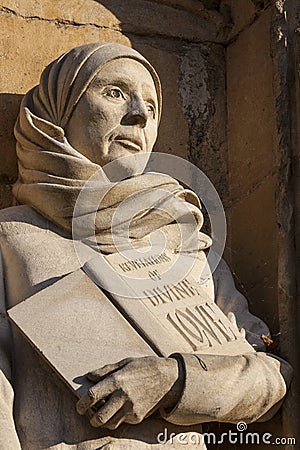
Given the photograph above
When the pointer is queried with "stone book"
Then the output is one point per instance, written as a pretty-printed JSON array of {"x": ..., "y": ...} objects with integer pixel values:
[
  {"x": 76, "y": 329},
  {"x": 77, "y": 326},
  {"x": 160, "y": 297}
]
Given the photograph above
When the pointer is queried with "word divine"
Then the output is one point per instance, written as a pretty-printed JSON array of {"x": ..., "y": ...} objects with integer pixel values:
[{"x": 167, "y": 294}]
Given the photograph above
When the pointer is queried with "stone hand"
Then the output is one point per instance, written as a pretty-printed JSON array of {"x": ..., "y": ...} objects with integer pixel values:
[{"x": 130, "y": 390}]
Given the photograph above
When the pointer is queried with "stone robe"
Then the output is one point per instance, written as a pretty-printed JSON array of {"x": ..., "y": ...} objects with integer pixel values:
[{"x": 38, "y": 412}]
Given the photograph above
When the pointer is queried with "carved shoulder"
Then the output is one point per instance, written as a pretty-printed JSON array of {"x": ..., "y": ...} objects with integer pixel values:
[
  {"x": 22, "y": 219},
  {"x": 35, "y": 252}
]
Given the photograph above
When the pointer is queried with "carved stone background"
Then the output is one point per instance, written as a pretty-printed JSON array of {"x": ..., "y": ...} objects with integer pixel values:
[{"x": 228, "y": 70}]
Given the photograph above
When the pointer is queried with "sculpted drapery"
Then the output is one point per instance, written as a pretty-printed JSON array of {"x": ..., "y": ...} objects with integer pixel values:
[
  {"x": 52, "y": 172},
  {"x": 37, "y": 250}
]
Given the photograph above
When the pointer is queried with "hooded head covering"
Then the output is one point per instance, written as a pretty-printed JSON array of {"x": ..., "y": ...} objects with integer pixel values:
[
  {"x": 65, "y": 80},
  {"x": 52, "y": 173}
]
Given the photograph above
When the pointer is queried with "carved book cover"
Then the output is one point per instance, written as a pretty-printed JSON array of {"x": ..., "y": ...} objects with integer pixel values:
[{"x": 76, "y": 327}]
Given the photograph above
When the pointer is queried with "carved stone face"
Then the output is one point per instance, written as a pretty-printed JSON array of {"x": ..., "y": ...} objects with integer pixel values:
[{"x": 117, "y": 116}]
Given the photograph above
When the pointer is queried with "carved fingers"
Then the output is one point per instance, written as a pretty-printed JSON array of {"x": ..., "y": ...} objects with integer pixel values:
[
  {"x": 97, "y": 374},
  {"x": 128, "y": 390},
  {"x": 232, "y": 318},
  {"x": 112, "y": 414}
]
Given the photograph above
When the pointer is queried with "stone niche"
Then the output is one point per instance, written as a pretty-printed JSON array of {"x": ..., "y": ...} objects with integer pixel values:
[{"x": 217, "y": 63}]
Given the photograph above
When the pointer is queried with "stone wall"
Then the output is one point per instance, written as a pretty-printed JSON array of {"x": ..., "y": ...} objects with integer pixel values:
[
  {"x": 263, "y": 154},
  {"x": 251, "y": 159},
  {"x": 184, "y": 45}
]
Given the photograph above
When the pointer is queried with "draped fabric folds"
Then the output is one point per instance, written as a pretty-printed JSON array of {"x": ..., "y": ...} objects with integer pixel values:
[{"x": 52, "y": 173}]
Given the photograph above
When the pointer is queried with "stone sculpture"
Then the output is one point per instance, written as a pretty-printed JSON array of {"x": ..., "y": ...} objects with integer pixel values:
[{"x": 96, "y": 104}]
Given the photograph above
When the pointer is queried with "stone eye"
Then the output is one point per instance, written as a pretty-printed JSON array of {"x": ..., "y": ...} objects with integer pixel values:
[
  {"x": 115, "y": 93},
  {"x": 151, "y": 110}
]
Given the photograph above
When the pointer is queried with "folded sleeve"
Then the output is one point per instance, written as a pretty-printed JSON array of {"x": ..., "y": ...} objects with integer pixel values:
[
  {"x": 8, "y": 436},
  {"x": 248, "y": 387},
  {"x": 229, "y": 388},
  {"x": 229, "y": 299}
]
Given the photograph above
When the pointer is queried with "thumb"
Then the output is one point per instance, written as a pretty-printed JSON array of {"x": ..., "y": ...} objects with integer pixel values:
[{"x": 98, "y": 374}]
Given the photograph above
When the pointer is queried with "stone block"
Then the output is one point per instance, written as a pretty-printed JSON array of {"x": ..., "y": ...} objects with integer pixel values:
[
  {"x": 253, "y": 237},
  {"x": 170, "y": 300},
  {"x": 203, "y": 97},
  {"x": 242, "y": 14},
  {"x": 81, "y": 330},
  {"x": 173, "y": 131},
  {"x": 36, "y": 43},
  {"x": 251, "y": 108},
  {"x": 138, "y": 16}
]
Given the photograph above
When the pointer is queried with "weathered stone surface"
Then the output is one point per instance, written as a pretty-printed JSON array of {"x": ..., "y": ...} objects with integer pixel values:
[
  {"x": 169, "y": 61},
  {"x": 87, "y": 21},
  {"x": 66, "y": 336},
  {"x": 251, "y": 108},
  {"x": 192, "y": 5},
  {"x": 23, "y": 66},
  {"x": 6, "y": 197},
  {"x": 285, "y": 52},
  {"x": 202, "y": 85},
  {"x": 253, "y": 230},
  {"x": 9, "y": 109},
  {"x": 173, "y": 132},
  {"x": 196, "y": 84},
  {"x": 242, "y": 15},
  {"x": 139, "y": 18}
]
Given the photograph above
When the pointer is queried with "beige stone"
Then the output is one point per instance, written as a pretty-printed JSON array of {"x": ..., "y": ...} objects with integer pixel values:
[
  {"x": 140, "y": 17},
  {"x": 66, "y": 337},
  {"x": 254, "y": 234},
  {"x": 173, "y": 132},
  {"x": 17, "y": 33},
  {"x": 251, "y": 109},
  {"x": 118, "y": 112},
  {"x": 173, "y": 310}
]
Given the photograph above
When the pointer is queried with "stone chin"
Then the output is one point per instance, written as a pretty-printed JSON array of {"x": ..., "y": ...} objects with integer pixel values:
[{"x": 126, "y": 166}]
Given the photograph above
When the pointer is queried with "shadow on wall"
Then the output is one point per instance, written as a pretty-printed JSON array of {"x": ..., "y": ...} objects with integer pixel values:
[
  {"x": 185, "y": 46},
  {"x": 9, "y": 109}
]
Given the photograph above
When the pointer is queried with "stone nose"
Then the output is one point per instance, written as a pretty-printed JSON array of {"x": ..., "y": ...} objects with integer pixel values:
[{"x": 137, "y": 113}]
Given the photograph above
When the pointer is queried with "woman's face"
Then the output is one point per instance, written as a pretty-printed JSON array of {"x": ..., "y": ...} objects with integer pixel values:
[{"x": 117, "y": 115}]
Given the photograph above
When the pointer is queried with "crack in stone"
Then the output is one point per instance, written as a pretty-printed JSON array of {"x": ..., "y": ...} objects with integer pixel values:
[
  {"x": 255, "y": 17},
  {"x": 122, "y": 28},
  {"x": 232, "y": 203},
  {"x": 58, "y": 22}
]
